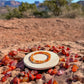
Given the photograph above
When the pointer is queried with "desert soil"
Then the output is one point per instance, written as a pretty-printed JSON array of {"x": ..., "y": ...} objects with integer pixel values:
[{"x": 22, "y": 33}]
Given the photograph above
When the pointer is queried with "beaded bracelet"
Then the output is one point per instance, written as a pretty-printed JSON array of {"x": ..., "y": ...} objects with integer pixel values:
[{"x": 40, "y": 61}]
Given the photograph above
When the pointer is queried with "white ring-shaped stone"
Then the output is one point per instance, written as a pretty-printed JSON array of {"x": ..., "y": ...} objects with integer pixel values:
[{"x": 46, "y": 65}]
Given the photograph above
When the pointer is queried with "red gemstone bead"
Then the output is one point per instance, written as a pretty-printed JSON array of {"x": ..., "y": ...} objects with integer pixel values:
[
  {"x": 54, "y": 72},
  {"x": 57, "y": 50},
  {"x": 54, "y": 51},
  {"x": 39, "y": 46},
  {"x": 62, "y": 46},
  {"x": 4, "y": 78},
  {"x": 13, "y": 53},
  {"x": 67, "y": 54},
  {"x": 63, "y": 51},
  {"x": 53, "y": 47},
  {"x": 38, "y": 76},
  {"x": 4, "y": 72},
  {"x": 16, "y": 80},
  {"x": 67, "y": 65},
  {"x": 76, "y": 56},
  {"x": 68, "y": 48},
  {"x": 50, "y": 81},
  {"x": 13, "y": 67}
]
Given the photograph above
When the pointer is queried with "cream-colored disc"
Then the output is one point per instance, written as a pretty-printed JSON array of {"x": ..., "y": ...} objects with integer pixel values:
[{"x": 42, "y": 66}]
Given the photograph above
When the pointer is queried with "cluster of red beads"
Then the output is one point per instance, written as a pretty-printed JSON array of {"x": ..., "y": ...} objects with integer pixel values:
[{"x": 27, "y": 75}]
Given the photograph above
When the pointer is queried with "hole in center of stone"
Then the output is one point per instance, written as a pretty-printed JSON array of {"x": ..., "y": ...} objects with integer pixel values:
[{"x": 41, "y": 57}]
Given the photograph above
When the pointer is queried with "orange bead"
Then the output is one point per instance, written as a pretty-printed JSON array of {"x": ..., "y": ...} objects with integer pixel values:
[
  {"x": 57, "y": 50},
  {"x": 25, "y": 79},
  {"x": 55, "y": 82},
  {"x": 32, "y": 77},
  {"x": 54, "y": 72},
  {"x": 50, "y": 71},
  {"x": 74, "y": 68},
  {"x": 7, "y": 61},
  {"x": 5, "y": 58},
  {"x": 13, "y": 67},
  {"x": 75, "y": 60},
  {"x": 52, "y": 81},
  {"x": 62, "y": 59}
]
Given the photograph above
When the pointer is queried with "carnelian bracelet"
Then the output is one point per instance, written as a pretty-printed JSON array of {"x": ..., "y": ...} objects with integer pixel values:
[{"x": 40, "y": 61}]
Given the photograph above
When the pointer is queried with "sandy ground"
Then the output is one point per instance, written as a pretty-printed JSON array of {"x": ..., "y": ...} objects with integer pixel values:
[
  {"x": 22, "y": 33},
  {"x": 18, "y": 31}
]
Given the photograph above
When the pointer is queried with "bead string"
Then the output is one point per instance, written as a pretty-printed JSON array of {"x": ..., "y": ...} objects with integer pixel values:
[{"x": 40, "y": 61}]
